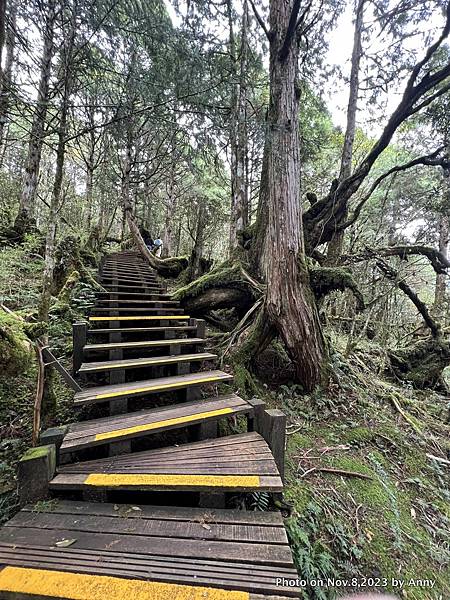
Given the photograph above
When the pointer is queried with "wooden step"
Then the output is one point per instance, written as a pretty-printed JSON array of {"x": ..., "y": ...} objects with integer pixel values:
[
  {"x": 123, "y": 427},
  {"x": 128, "y": 274},
  {"x": 147, "y": 295},
  {"x": 182, "y": 328},
  {"x": 124, "y": 309},
  {"x": 123, "y": 269},
  {"x": 150, "y": 386},
  {"x": 142, "y": 318},
  {"x": 135, "y": 363},
  {"x": 154, "y": 552},
  {"x": 143, "y": 344},
  {"x": 152, "y": 287},
  {"x": 137, "y": 280},
  {"x": 239, "y": 463},
  {"x": 146, "y": 302}
]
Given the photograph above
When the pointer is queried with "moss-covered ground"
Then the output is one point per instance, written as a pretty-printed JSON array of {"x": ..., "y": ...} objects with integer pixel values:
[
  {"x": 20, "y": 283},
  {"x": 393, "y": 523}
]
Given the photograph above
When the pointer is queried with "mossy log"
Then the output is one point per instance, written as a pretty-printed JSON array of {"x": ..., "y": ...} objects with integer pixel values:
[
  {"x": 422, "y": 364},
  {"x": 223, "y": 287},
  {"x": 16, "y": 352}
]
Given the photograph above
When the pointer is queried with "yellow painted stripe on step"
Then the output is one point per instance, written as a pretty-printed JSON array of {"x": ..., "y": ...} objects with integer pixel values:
[
  {"x": 79, "y": 586},
  {"x": 138, "y": 318},
  {"x": 151, "y": 361},
  {"x": 166, "y": 423},
  {"x": 149, "y": 388},
  {"x": 157, "y": 479}
]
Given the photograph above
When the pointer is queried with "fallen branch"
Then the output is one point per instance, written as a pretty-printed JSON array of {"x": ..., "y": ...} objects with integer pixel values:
[
  {"x": 439, "y": 459},
  {"x": 337, "y": 472}
]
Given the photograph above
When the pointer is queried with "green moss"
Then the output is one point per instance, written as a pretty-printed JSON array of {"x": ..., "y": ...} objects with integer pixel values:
[
  {"x": 415, "y": 462},
  {"x": 16, "y": 354},
  {"x": 358, "y": 434},
  {"x": 328, "y": 279},
  {"x": 223, "y": 275},
  {"x": 299, "y": 495},
  {"x": 37, "y": 452}
]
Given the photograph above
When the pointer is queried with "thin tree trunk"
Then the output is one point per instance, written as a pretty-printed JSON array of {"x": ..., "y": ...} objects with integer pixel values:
[
  {"x": 6, "y": 76},
  {"x": 289, "y": 305},
  {"x": 33, "y": 160},
  {"x": 336, "y": 244},
  {"x": 239, "y": 214},
  {"x": 195, "y": 269},
  {"x": 50, "y": 242},
  {"x": 171, "y": 202},
  {"x": 441, "y": 279}
]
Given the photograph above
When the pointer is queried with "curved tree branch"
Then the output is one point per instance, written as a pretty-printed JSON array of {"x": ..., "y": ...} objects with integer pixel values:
[
  {"x": 321, "y": 219},
  {"x": 391, "y": 274},
  {"x": 432, "y": 159},
  {"x": 438, "y": 261}
]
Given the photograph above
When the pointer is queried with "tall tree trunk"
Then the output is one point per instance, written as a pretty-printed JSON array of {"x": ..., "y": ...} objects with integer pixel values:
[
  {"x": 33, "y": 160},
  {"x": 6, "y": 76},
  {"x": 336, "y": 244},
  {"x": 439, "y": 307},
  {"x": 50, "y": 241},
  {"x": 239, "y": 214},
  {"x": 171, "y": 202},
  {"x": 289, "y": 304},
  {"x": 195, "y": 269}
]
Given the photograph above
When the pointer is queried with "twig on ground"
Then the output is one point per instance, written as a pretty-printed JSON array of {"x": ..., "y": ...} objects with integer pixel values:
[{"x": 337, "y": 472}]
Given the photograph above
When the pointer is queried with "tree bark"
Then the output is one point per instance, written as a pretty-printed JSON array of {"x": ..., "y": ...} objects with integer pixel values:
[
  {"x": 239, "y": 215},
  {"x": 6, "y": 75},
  {"x": 171, "y": 202},
  {"x": 441, "y": 278},
  {"x": 33, "y": 160},
  {"x": 195, "y": 269},
  {"x": 289, "y": 302},
  {"x": 336, "y": 244},
  {"x": 67, "y": 77}
]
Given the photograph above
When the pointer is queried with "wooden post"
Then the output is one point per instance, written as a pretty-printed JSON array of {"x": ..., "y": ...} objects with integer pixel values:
[
  {"x": 254, "y": 420},
  {"x": 201, "y": 328},
  {"x": 36, "y": 468},
  {"x": 79, "y": 337},
  {"x": 54, "y": 435},
  {"x": 272, "y": 427}
]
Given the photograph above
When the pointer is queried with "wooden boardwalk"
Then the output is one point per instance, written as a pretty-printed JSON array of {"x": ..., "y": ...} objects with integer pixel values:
[{"x": 133, "y": 498}]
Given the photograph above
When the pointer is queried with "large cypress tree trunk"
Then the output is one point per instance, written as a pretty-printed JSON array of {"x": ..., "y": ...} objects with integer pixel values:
[
  {"x": 33, "y": 160},
  {"x": 289, "y": 304}
]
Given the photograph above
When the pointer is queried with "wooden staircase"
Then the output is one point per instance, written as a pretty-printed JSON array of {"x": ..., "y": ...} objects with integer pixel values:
[{"x": 140, "y": 487}]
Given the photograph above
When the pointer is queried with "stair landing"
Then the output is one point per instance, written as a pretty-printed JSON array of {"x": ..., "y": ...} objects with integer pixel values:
[{"x": 143, "y": 553}]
